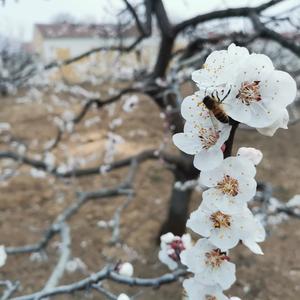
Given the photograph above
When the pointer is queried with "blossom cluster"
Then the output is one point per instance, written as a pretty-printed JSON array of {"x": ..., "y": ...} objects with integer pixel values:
[{"x": 234, "y": 87}]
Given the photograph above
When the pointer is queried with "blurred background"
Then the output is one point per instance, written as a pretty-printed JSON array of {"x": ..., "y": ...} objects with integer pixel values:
[{"x": 90, "y": 95}]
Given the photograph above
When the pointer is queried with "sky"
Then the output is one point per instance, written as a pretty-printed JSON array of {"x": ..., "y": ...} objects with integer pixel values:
[{"x": 17, "y": 17}]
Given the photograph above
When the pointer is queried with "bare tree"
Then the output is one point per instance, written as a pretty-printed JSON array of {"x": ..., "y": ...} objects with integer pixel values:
[{"x": 162, "y": 85}]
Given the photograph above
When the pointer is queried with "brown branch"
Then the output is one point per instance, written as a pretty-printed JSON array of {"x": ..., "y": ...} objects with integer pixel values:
[
  {"x": 105, "y": 273},
  {"x": 123, "y": 189},
  {"x": 100, "y": 103},
  {"x": 152, "y": 154},
  {"x": 273, "y": 35},
  {"x": 221, "y": 14}
]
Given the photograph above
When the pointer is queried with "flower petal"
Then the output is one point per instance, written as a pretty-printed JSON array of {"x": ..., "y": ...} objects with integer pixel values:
[
  {"x": 187, "y": 142},
  {"x": 207, "y": 160}
]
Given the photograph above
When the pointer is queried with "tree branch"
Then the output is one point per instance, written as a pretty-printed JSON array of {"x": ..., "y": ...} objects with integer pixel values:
[
  {"x": 221, "y": 14},
  {"x": 105, "y": 273}
]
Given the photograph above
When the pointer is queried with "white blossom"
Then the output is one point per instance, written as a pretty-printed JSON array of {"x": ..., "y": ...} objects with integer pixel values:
[
  {"x": 220, "y": 66},
  {"x": 231, "y": 184},
  {"x": 4, "y": 126},
  {"x": 130, "y": 103},
  {"x": 294, "y": 202},
  {"x": 281, "y": 122},
  {"x": 254, "y": 155},
  {"x": 203, "y": 134},
  {"x": 123, "y": 297},
  {"x": 171, "y": 247},
  {"x": 210, "y": 264},
  {"x": 75, "y": 264},
  {"x": 225, "y": 228},
  {"x": 197, "y": 291},
  {"x": 3, "y": 256},
  {"x": 126, "y": 269},
  {"x": 257, "y": 92}
]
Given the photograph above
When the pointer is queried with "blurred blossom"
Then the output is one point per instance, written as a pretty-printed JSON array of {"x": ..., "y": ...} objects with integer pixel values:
[
  {"x": 125, "y": 269},
  {"x": 130, "y": 103},
  {"x": 3, "y": 256},
  {"x": 123, "y": 297}
]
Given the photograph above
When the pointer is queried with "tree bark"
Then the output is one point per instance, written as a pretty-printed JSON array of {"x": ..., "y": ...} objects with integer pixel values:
[{"x": 179, "y": 200}]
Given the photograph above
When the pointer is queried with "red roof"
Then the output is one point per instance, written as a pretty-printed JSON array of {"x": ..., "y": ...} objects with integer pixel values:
[{"x": 61, "y": 30}]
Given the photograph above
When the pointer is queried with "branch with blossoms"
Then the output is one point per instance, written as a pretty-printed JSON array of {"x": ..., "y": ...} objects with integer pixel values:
[
  {"x": 151, "y": 154},
  {"x": 234, "y": 87},
  {"x": 107, "y": 273}
]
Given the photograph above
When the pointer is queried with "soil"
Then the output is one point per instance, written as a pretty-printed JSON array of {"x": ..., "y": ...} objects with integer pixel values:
[{"x": 29, "y": 204}]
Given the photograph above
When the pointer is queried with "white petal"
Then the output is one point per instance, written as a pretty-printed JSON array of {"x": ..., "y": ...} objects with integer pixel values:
[
  {"x": 3, "y": 256},
  {"x": 256, "y": 67},
  {"x": 199, "y": 221},
  {"x": 225, "y": 203},
  {"x": 207, "y": 160},
  {"x": 253, "y": 246},
  {"x": 281, "y": 122},
  {"x": 280, "y": 88},
  {"x": 263, "y": 115},
  {"x": 226, "y": 275},
  {"x": 252, "y": 154},
  {"x": 167, "y": 237},
  {"x": 237, "y": 110},
  {"x": 224, "y": 238},
  {"x": 187, "y": 142},
  {"x": 193, "y": 109},
  {"x": 247, "y": 190},
  {"x": 212, "y": 72},
  {"x": 238, "y": 166},
  {"x": 187, "y": 240},
  {"x": 194, "y": 258},
  {"x": 198, "y": 291},
  {"x": 165, "y": 259},
  {"x": 237, "y": 53}
]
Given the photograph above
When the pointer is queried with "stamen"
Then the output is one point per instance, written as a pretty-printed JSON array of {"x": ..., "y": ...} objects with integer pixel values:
[
  {"x": 249, "y": 92},
  {"x": 229, "y": 186},
  {"x": 220, "y": 220},
  {"x": 215, "y": 258},
  {"x": 208, "y": 137}
]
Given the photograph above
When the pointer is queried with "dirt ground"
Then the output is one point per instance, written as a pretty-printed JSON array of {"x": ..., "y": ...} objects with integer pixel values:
[{"x": 28, "y": 204}]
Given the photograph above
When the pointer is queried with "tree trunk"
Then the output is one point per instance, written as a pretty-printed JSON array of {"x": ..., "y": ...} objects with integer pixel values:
[{"x": 179, "y": 203}]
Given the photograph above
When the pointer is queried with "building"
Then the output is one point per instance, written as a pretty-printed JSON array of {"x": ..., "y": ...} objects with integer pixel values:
[{"x": 61, "y": 41}]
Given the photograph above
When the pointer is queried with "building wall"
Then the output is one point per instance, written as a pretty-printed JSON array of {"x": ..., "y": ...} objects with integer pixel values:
[
  {"x": 38, "y": 41},
  {"x": 105, "y": 63},
  {"x": 76, "y": 46}
]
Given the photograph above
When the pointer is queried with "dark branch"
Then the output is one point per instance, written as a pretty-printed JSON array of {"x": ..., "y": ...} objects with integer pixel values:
[
  {"x": 226, "y": 13},
  {"x": 273, "y": 35},
  {"x": 105, "y": 273},
  {"x": 152, "y": 154}
]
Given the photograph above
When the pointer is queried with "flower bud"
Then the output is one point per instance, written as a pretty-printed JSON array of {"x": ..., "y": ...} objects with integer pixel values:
[
  {"x": 167, "y": 238},
  {"x": 123, "y": 297},
  {"x": 126, "y": 269},
  {"x": 254, "y": 155},
  {"x": 3, "y": 256}
]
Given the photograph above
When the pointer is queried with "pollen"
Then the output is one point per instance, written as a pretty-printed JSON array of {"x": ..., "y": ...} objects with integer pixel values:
[
  {"x": 215, "y": 258},
  {"x": 208, "y": 137},
  {"x": 229, "y": 186},
  {"x": 220, "y": 220},
  {"x": 249, "y": 92},
  {"x": 210, "y": 297}
]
